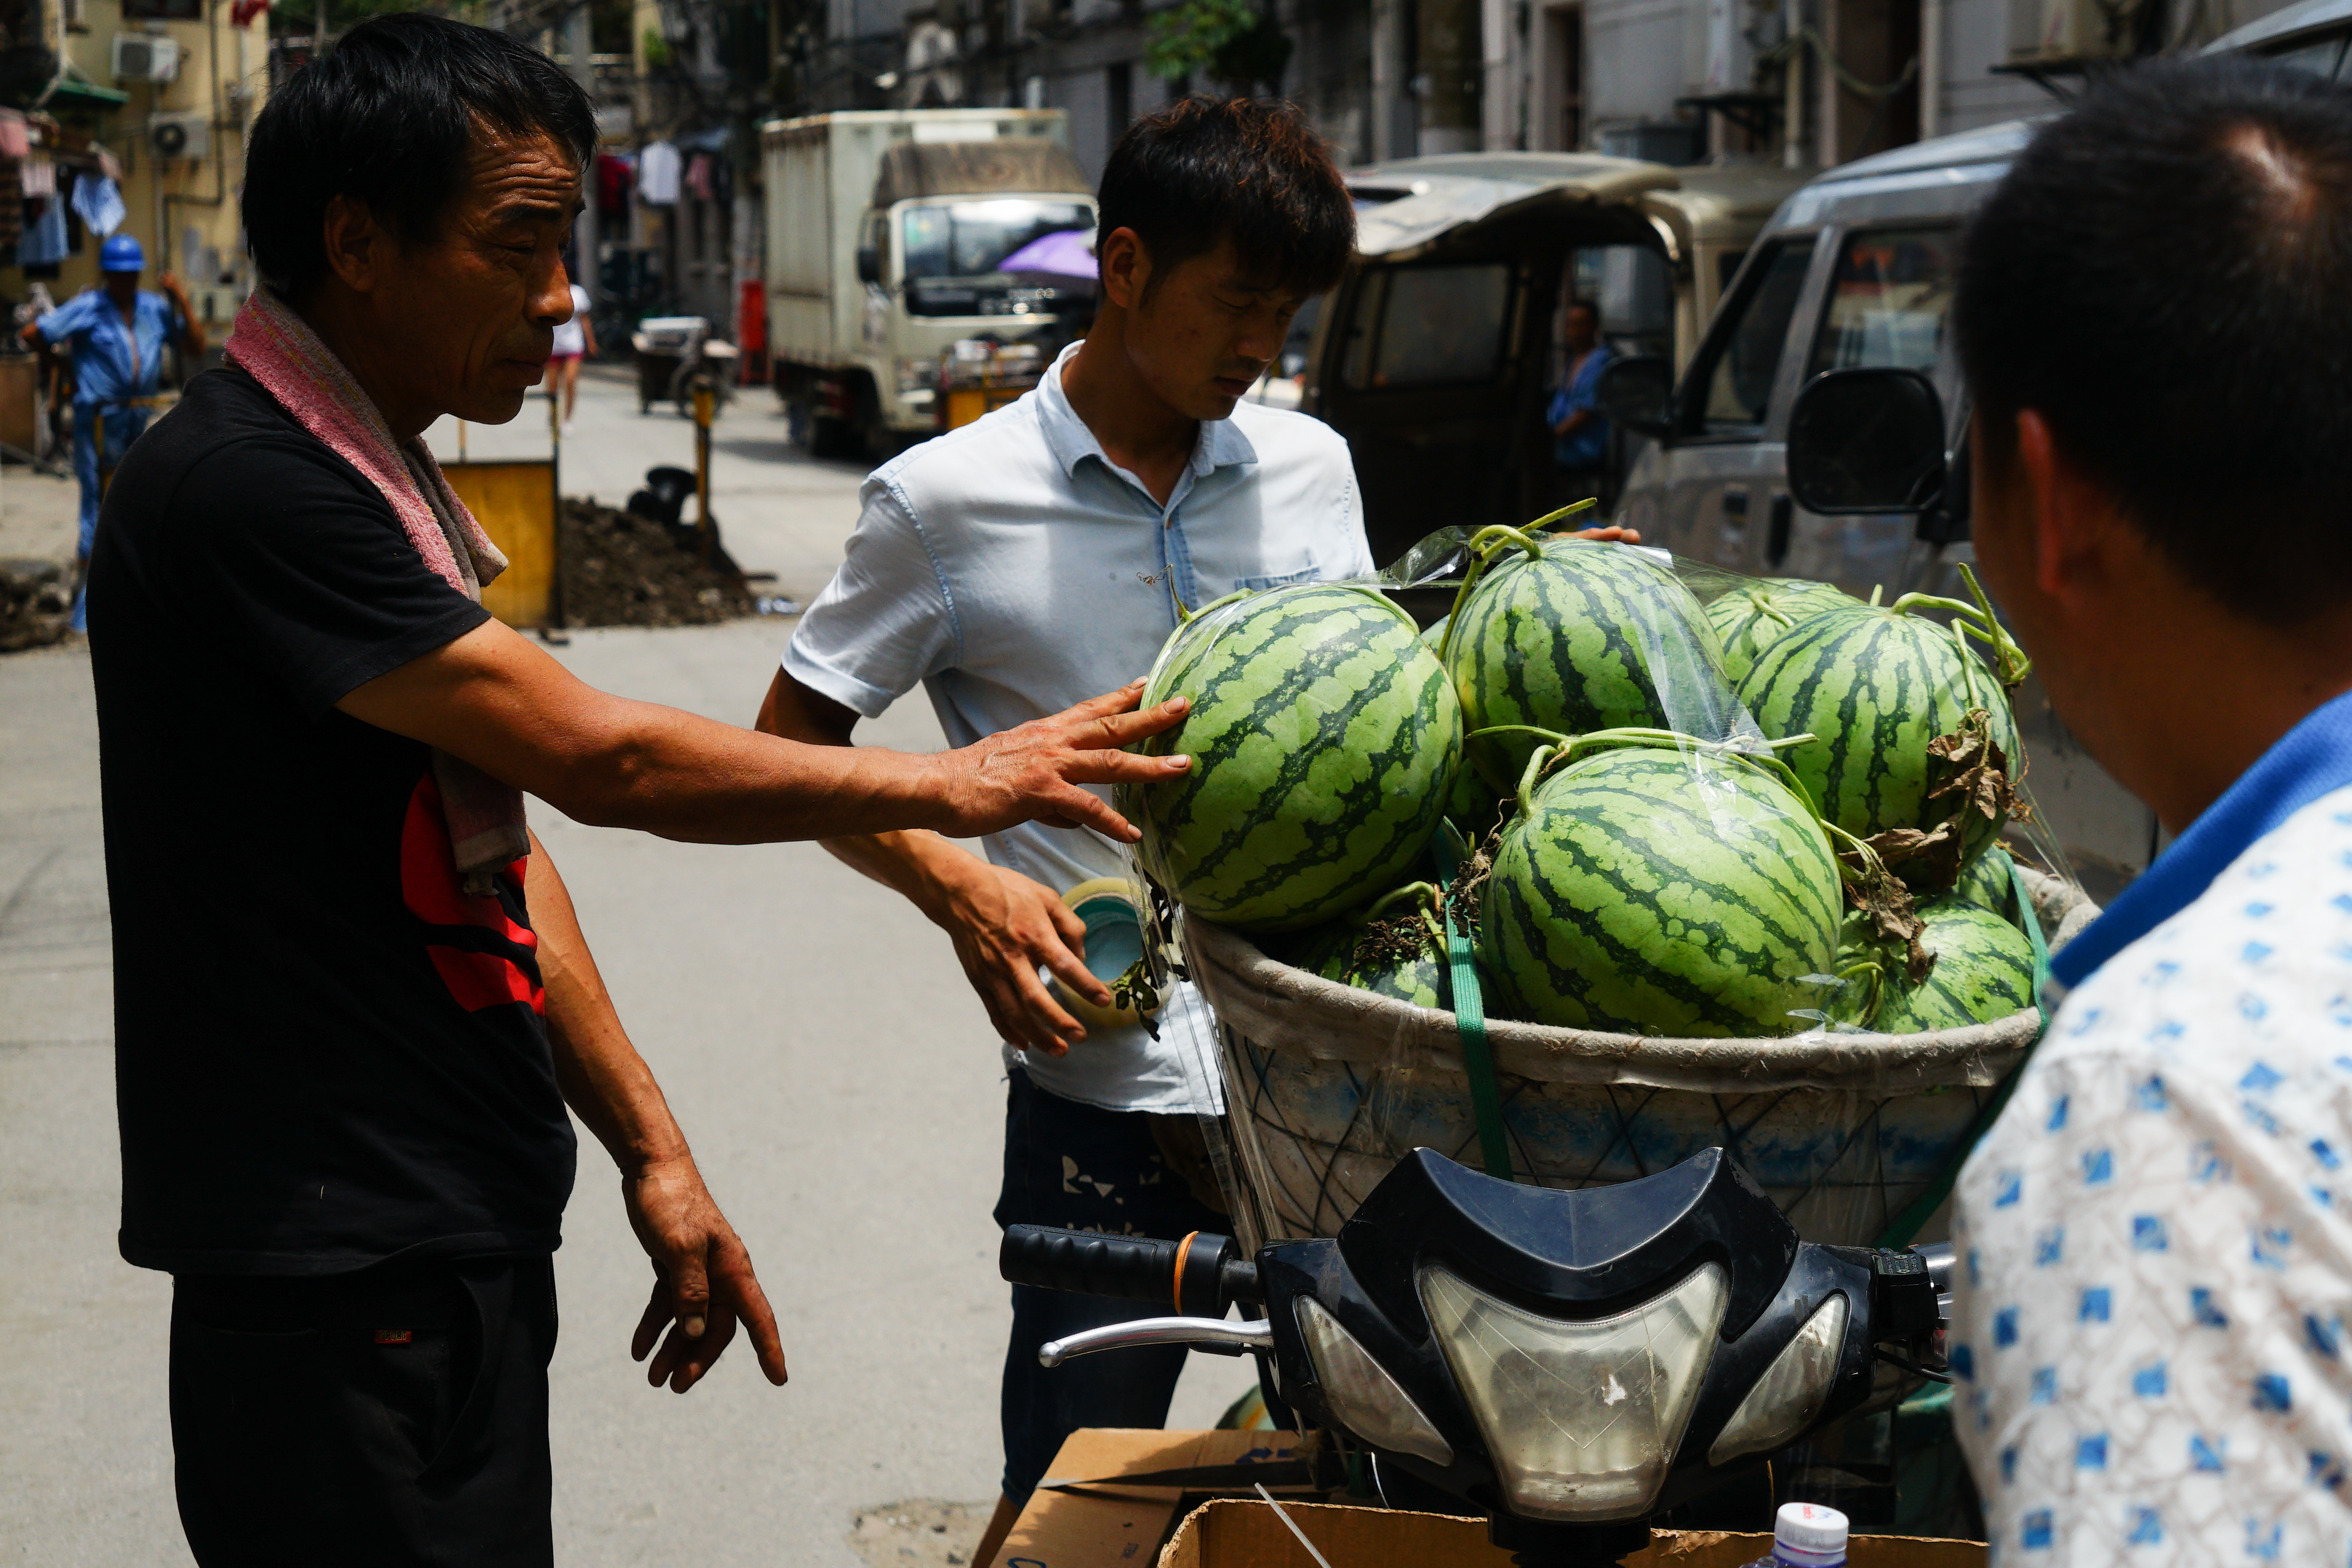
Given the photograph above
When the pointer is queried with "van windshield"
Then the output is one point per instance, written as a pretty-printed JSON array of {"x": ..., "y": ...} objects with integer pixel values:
[
  {"x": 965, "y": 239},
  {"x": 1888, "y": 303},
  {"x": 1746, "y": 352}
]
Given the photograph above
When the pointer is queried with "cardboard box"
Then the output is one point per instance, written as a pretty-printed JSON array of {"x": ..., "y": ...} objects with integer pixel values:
[
  {"x": 1131, "y": 1526},
  {"x": 1123, "y": 1527},
  {"x": 1234, "y": 1533}
]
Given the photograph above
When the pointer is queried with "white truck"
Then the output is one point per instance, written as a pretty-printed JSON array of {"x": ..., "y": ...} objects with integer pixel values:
[{"x": 887, "y": 233}]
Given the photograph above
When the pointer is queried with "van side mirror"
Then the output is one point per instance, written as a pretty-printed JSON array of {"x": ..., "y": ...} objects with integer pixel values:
[
  {"x": 1637, "y": 394},
  {"x": 869, "y": 265},
  {"x": 1869, "y": 440}
]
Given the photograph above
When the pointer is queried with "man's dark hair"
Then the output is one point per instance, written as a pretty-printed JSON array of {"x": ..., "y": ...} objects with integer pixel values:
[
  {"x": 389, "y": 119},
  {"x": 2166, "y": 277},
  {"x": 1250, "y": 170}
]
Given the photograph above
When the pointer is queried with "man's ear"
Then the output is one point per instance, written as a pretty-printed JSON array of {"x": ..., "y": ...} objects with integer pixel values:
[
  {"x": 357, "y": 246},
  {"x": 1125, "y": 268},
  {"x": 2075, "y": 521}
]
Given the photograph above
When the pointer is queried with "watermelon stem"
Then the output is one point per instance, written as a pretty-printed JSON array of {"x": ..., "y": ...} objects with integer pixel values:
[
  {"x": 1975, "y": 620},
  {"x": 1483, "y": 547},
  {"x": 1571, "y": 510},
  {"x": 1425, "y": 891}
]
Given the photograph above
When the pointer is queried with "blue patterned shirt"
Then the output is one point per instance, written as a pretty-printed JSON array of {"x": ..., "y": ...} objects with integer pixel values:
[{"x": 2155, "y": 1263}]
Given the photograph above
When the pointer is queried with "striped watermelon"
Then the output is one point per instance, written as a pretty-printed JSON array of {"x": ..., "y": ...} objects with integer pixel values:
[
  {"x": 1752, "y": 618},
  {"x": 1567, "y": 641},
  {"x": 1330, "y": 951},
  {"x": 1322, "y": 735},
  {"x": 1987, "y": 882},
  {"x": 1875, "y": 686},
  {"x": 1984, "y": 973},
  {"x": 1472, "y": 805},
  {"x": 1661, "y": 893}
]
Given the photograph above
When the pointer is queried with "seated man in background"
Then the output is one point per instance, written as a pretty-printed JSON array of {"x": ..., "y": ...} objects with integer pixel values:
[
  {"x": 2148, "y": 1344},
  {"x": 1579, "y": 431}
]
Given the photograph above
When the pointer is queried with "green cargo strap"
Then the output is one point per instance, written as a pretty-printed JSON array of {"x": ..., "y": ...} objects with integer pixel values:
[
  {"x": 1470, "y": 1019},
  {"x": 1908, "y": 1223}
]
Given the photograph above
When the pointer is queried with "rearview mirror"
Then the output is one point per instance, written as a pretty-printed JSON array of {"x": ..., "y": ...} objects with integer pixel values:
[
  {"x": 869, "y": 265},
  {"x": 1638, "y": 394},
  {"x": 1868, "y": 440}
]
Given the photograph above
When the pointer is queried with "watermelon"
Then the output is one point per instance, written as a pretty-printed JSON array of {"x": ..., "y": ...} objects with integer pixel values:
[
  {"x": 1751, "y": 619},
  {"x": 1566, "y": 641},
  {"x": 1332, "y": 952},
  {"x": 1322, "y": 733},
  {"x": 1472, "y": 805},
  {"x": 1988, "y": 882},
  {"x": 1983, "y": 972},
  {"x": 1875, "y": 686},
  {"x": 1662, "y": 892}
]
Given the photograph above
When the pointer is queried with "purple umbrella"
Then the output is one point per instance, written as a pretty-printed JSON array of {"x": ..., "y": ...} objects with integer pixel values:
[{"x": 1065, "y": 253}]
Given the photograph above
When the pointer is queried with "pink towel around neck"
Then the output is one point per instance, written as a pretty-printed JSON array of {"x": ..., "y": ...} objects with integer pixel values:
[{"x": 277, "y": 348}]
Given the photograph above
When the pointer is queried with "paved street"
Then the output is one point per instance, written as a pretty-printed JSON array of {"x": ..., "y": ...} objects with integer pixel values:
[{"x": 836, "y": 1076}]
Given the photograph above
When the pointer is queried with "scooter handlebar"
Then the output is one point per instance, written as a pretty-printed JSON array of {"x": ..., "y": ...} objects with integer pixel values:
[{"x": 1200, "y": 1274}]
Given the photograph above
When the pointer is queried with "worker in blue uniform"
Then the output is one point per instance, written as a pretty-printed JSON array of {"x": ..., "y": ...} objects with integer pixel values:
[{"x": 116, "y": 332}]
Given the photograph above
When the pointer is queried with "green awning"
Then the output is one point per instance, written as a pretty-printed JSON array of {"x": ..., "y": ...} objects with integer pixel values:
[{"x": 88, "y": 96}]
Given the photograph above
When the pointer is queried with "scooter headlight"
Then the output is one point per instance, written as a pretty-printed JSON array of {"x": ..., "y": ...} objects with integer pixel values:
[
  {"x": 1784, "y": 1401},
  {"x": 1583, "y": 1418},
  {"x": 1361, "y": 1394}
]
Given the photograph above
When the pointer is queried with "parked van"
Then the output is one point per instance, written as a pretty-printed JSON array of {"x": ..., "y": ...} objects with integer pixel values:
[
  {"x": 1438, "y": 352},
  {"x": 1855, "y": 271}
]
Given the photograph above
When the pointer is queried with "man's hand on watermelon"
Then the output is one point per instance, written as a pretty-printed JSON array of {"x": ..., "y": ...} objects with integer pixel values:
[
  {"x": 1610, "y": 536},
  {"x": 496, "y": 700}
]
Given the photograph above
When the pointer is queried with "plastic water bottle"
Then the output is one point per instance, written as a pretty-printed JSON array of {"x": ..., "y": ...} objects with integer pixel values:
[{"x": 1806, "y": 1535}]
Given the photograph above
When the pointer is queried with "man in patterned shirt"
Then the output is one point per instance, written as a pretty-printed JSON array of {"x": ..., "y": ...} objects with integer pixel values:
[{"x": 2155, "y": 1239}]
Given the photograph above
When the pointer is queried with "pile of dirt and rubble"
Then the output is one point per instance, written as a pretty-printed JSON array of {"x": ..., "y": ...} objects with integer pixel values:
[
  {"x": 36, "y": 603},
  {"x": 622, "y": 570}
]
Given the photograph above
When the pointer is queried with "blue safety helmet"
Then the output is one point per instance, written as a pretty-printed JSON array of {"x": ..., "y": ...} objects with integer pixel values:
[{"x": 122, "y": 254}]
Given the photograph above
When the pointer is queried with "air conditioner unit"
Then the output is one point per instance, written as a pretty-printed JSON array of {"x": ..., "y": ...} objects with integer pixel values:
[
  {"x": 2068, "y": 30},
  {"x": 180, "y": 135},
  {"x": 145, "y": 57}
]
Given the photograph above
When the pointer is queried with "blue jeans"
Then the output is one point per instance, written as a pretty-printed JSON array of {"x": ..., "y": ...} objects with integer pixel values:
[
  {"x": 1081, "y": 1168},
  {"x": 122, "y": 426}
]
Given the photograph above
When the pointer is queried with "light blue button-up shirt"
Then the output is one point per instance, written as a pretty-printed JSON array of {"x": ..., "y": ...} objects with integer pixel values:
[
  {"x": 113, "y": 358},
  {"x": 1012, "y": 568}
]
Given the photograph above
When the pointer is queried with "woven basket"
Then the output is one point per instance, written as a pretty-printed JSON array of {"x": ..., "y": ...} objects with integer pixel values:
[{"x": 1328, "y": 1086}]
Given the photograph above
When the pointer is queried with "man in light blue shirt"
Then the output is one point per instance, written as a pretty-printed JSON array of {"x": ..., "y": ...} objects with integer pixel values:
[
  {"x": 1044, "y": 548},
  {"x": 2149, "y": 1334},
  {"x": 117, "y": 333}
]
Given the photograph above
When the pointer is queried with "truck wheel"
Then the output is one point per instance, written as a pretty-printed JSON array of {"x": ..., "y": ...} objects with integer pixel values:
[{"x": 831, "y": 437}]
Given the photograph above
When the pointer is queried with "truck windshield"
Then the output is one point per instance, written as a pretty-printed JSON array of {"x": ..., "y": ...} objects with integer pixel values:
[{"x": 966, "y": 239}]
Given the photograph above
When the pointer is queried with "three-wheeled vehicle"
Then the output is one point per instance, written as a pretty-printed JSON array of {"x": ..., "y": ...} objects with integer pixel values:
[{"x": 1438, "y": 352}]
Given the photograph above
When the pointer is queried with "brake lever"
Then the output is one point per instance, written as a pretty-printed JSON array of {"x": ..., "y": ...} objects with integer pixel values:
[{"x": 1218, "y": 1336}]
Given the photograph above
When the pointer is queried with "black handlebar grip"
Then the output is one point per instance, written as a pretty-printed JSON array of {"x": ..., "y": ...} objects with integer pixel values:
[
  {"x": 1186, "y": 1275},
  {"x": 1131, "y": 1267}
]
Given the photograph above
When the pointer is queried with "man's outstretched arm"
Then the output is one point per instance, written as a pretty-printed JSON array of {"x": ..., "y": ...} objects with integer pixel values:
[
  {"x": 1004, "y": 925},
  {"x": 703, "y": 1284},
  {"x": 506, "y": 706}
]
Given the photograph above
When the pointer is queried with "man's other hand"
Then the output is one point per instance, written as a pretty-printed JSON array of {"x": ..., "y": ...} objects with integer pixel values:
[
  {"x": 1033, "y": 773},
  {"x": 703, "y": 1283},
  {"x": 1611, "y": 535},
  {"x": 1005, "y": 926}
]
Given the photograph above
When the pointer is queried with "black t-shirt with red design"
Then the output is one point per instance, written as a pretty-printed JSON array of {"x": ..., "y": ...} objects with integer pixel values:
[{"x": 327, "y": 1054}]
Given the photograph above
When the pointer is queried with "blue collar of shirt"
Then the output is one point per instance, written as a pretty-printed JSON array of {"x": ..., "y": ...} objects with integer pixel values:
[
  {"x": 1221, "y": 443},
  {"x": 2311, "y": 760}
]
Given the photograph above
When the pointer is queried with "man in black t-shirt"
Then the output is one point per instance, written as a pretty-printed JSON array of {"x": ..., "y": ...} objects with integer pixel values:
[{"x": 347, "y": 1032}]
